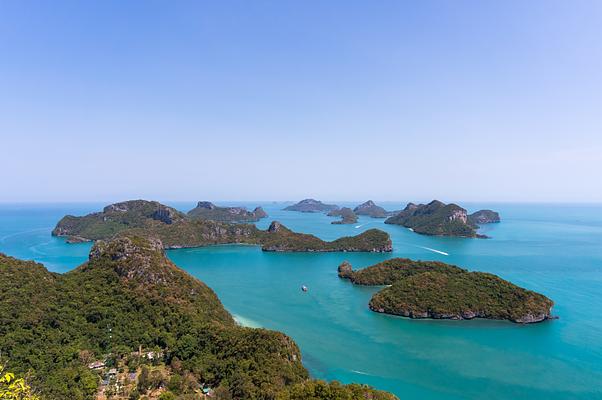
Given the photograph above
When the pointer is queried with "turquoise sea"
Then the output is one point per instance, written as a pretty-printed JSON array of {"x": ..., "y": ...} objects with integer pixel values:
[{"x": 550, "y": 248}]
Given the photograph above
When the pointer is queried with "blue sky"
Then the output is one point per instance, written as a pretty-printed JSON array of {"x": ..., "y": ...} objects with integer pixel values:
[{"x": 278, "y": 100}]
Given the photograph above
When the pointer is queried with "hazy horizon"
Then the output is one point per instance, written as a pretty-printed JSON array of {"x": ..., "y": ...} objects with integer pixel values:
[{"x": 456, "y": 101}]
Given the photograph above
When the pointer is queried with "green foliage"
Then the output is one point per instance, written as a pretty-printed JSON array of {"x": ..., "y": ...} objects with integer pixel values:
[
  {"x": 439, "y": 294},
  {"x": 13, "y": 388},
  {"x": 320, "y": 390},
  {"x": 435, "y": 218},
  {"x": 174, "y": 229},
  {"x": 421, "y": 289},
  {"x": 209, "y": 211},
  {"x": 127, "y": 295}
]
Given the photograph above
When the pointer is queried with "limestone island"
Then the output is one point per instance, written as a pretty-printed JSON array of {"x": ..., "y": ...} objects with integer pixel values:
[
  {"x": 372, "y": 210},
  {"x": 347, "y": 216},
  {"x": 209, "y": 211},
  {"x": 178, "y": 230},
  {"x": 432, "y": 289},
  {"x": 438, "y": 218},
  {"x": 311, "y": 206},
  {"x": 129, "y": 313}
]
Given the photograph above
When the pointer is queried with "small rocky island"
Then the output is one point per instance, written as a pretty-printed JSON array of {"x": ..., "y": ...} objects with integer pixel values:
[
  {"x": 438, "y": 218},
  {"x": 177, "y": 230},
  {"x": 311, "y": 206},
  {"x": 370, "y": 209},
  {"x": 209, "y": 211},
  {"x": 431, "y": 289},
  {"x": 347, "y": 216}
]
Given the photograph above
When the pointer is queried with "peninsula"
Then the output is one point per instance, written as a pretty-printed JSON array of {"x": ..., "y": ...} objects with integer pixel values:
[
  {"x": 177, "y": 230},
  {"x": 431, "y": 289},
  {"x": 132, "y": 315},
  {"x": 438, "y": 218},
  {"x": 311, "y": 206},
  {"x": 209, "y": 211}
]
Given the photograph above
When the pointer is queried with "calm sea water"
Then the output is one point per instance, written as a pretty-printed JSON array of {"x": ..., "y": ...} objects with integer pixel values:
[{"x": 553, "y": 249}]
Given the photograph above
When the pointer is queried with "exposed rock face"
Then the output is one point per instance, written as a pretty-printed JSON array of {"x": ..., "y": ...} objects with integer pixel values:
[
  {"x": 428, "y": 289},
  {"x": 345, "y": 270},
  {"x": 435, "y": 218},
  {"x": 371, "y": 209},
  {"x": 346, "y": 214},
  {"x": 311, "y": 205},
  {"x": 275, "y": 226},
  {"x": 209, "y": 211},
  {"x": 484, "y": 217}
]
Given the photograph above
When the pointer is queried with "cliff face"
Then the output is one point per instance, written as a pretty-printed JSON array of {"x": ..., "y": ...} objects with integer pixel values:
[
  {"x": 311, "y": 205},
  {"x": 209, "y": 211},
  {"x": 371, "y": 209},
  {"x": 182, "y": 231},
  {"x": 435, "y": 218},
  {"x": 428, "y": 289}
]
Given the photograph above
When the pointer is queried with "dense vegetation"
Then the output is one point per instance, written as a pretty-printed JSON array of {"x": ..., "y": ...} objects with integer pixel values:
[
  {"x": 435, "y": 218},
  {"x": 209, "y": 211},
  {"x": 483, "y": 217},
  {"x": 176, "y": 229},
  {"x": 280, "y": 238},
  {"x": 430, "y": 289},
  {"x": 370, "y": 209},
  {"x": 347, "y": 216},
  {"x": 311, "y": 205},
  {"x": 128, "y": 295}
]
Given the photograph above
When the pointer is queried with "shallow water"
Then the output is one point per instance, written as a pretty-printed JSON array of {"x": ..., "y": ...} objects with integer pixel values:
[{"x": 553, "y": 249}]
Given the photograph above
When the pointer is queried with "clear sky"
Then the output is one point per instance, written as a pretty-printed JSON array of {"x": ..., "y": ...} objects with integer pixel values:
[{"x": 279, "y": 100}]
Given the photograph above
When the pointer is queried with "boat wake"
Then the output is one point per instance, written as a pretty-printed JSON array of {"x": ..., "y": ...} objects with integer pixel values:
[
  {"x": 434, "y": 250},
  {"x": 360, "y": 372}
]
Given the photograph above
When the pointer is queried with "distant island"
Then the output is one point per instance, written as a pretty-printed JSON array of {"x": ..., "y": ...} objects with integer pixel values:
[
  {"x": 372, "y": 210},
  {"x": 177, "y": 230},
  {"x": 209, "y": 211},
  {"x": 132, "y": 319},
  {"x": 431, "y": 289},
  {"x": 311, "y": 206},
  {"x": 347, "y": 216},
  {"x": 438, "y": 218}
]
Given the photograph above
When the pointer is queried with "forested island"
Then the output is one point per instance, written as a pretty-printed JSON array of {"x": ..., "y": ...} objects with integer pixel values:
[
  {"x": 438, "y": 218},
  {"x": 432, "y": 289},
  {"x": 311, "y": 206},
  {"x": 209, "y": 211},
  {"x": 370, "y": 209},
  {"x": 178, "y": 230},
  {"x": 347, "y": 216},
  {"x": 130, "y": 322}
]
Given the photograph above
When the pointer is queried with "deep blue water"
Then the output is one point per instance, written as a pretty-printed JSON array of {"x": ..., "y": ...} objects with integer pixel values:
[{"x": 553, "y": 249}]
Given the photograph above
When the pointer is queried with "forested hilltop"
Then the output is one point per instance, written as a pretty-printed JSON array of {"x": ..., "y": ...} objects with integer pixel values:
[
  {"x": 438, "y": 218},
  {"x": 130, "y": 323},
  {"x": 432, "y": 289},
  {"x": 176, "y": 229}
]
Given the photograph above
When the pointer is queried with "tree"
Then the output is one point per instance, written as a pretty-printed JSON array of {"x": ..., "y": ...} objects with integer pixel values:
[{"x": 12, "y": 388}]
